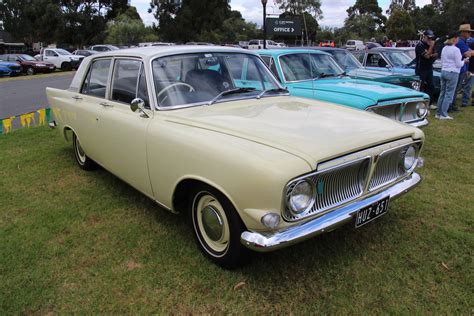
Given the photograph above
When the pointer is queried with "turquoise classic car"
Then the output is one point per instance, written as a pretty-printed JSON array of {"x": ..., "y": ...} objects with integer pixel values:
[{"x": 316, "y": 75}]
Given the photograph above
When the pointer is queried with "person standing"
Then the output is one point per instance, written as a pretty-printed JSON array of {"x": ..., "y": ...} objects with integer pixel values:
[
  {"x": 452, "y": 62},
  {"x": 469, "y": 81},
  {"x": 465, "y": 32},
  {"x": 425, "y": 57}
]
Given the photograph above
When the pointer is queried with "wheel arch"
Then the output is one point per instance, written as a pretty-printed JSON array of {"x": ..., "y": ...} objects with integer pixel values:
[
  {"x": 67, "y": 133},
  {"x": 184, "y": 185}
]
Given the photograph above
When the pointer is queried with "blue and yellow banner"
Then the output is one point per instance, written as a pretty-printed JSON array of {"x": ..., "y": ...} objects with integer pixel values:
[{"x": 37, "y": 118}]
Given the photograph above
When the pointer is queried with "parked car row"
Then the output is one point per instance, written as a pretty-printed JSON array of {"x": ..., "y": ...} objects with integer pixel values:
[
  {"x": 258, "y": 154},
  {"x": 15, "y": 64}
]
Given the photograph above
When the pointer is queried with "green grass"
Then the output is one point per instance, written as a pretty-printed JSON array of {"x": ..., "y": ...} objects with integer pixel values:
[{"x": 72, "y": 241}]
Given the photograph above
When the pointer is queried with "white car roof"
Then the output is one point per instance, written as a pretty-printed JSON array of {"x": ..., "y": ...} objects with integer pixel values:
[{"x": 151, "y": 52}]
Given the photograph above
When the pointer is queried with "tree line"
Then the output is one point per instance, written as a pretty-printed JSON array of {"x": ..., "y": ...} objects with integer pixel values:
[{"x": 81, "y": 23}]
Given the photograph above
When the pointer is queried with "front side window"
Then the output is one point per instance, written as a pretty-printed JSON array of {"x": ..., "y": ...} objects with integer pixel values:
[
  {"x": 376, "y": 60},
  {"x": 129, "y": 82},
  {"x": 346, "y": 60},
  {"x": 97, "y": 77},
  {"x": 200, "y": 78},
  {"x": 62, "y": 52},
  {"x": 399, "y": 59},
  {"x": 307, "y": 66}
]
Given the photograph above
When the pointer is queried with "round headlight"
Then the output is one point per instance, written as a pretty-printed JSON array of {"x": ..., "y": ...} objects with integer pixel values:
[
  {"x": 409, "y": 159},
  {"x": 421, "y": 109},
  {"x": 301, "y": 196},
  {"x": 416, "y": 85}
]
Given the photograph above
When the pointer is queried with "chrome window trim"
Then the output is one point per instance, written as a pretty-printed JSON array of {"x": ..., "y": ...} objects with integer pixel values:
[
  {"x": 87, "y": 75},
  {"x": 112, "y": 73}
]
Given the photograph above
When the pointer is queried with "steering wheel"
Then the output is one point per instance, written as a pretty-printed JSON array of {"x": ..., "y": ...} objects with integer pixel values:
[{"x": 177, "y": 84}]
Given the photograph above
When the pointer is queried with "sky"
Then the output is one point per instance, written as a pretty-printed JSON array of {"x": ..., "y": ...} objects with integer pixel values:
[{"x": 334, "y": 11}]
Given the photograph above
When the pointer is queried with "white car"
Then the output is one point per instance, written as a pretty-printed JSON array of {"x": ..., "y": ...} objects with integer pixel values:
[
  {"x": 355, "y": 45},
  {"x": 61, "y": 58},
  {"x": 258, "y": 44}
]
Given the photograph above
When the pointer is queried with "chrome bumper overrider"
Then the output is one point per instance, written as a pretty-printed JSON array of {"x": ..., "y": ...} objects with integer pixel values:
[
  {"x": 421, "y": 123},
  {"x": 270, "y": 241}
]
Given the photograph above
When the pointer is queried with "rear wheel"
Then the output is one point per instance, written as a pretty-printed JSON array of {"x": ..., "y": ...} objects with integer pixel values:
[
  {"x": 217, "y": 227},
  {"x": 30, "y": 71},
  {"x": 82, "y": 160}
]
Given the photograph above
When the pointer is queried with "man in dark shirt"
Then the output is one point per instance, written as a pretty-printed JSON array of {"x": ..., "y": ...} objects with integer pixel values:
[
  {"x": 465, "y": 31},
  {"x": 467, "y": 89},
  {"x": 425, "y": 57}
]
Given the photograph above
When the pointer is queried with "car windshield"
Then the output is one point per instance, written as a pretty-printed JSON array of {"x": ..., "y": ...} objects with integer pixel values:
[
  {"x": 62, "y": 52},
  {"x": 346, "y": 60},
  {"x": 398, "y": 58},
  {"x": 27, "y": 58},
  {"x": 308, "y": 66},
  {"x": 208, "y": 78}
]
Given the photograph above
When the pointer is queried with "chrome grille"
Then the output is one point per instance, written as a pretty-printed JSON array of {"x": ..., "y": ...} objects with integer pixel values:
[
  {"x": 392, "y": 111},
  {"x": 334, "y": 186},
  {"x": 409, "y": 112},
  {"x": 388, "y": 168},
  {"x": 404, "y": 112}
]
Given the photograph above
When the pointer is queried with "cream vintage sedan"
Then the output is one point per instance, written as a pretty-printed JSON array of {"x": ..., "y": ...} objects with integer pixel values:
[{"x": 249, "y": 165}]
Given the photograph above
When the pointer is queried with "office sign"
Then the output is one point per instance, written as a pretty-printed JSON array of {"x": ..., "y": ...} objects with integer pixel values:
[{"x": 283, "y": 27}]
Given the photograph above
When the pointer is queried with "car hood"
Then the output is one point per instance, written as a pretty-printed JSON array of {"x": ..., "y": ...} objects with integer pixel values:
[
  {"x": 376, "y": 91},
  {"x": 312, "y": 130},
  {"x": 381, "y": 75}
]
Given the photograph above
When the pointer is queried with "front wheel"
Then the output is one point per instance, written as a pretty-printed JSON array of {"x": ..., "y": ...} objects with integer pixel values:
[
  {"x": 217, "y": 227},
  {"x": 82, "y": 160},
  {"x": 66, "y": 66}
]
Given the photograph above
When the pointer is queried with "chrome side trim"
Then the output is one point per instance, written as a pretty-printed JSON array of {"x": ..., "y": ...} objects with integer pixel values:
[{"x": 270, "y": 241}]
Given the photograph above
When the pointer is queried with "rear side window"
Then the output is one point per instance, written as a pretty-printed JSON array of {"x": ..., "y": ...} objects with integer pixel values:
[
  {"x": 129, "y": 81},
  {"x": 96, "y": 80}
]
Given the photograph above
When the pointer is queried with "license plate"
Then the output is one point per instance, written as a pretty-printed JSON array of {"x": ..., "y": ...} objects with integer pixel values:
[{"x": 371, "y": 212}]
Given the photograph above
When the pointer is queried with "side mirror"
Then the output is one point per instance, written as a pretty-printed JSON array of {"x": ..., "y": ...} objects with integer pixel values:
[{"x": 138, "y": 104}]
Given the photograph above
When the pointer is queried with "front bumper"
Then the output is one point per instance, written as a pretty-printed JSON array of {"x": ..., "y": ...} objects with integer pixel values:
[
  {"x": 269, "y": 241},
  {"x": 419, "y": 124}
]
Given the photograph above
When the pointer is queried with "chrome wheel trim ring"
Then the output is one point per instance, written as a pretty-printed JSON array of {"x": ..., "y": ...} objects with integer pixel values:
[
  {"x": 80, "y": 154},
  {"x": 210, "y": 221},
  {"x": 30, "y": 71}
]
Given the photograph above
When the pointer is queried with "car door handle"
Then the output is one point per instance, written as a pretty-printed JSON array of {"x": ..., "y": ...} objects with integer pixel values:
[
  {"x": 105, "y": 104},
  {"x": 76, "y": 97}
]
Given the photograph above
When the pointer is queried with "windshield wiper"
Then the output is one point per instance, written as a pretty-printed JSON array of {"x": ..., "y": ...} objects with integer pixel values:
[
  {"x": 324, "y": 75},
  {"x": 229, "y": 92},
  {"x": 282, "y": 90}
]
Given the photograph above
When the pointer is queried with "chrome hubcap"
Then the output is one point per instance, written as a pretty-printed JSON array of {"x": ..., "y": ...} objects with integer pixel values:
[{"x": 212, "y": 223}]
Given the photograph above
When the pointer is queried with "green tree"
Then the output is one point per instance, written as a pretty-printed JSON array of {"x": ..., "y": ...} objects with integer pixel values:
[
  {"x": 430, "y": 17},
  {"x": 294, "y": 8},
  {"x": 365, "y": 19},
  {"x": 30, "y": 21},
  {"x": 190, "y": 20},
  {"x": 400, "y": 25},
  {"x": 126, "y": 31}
]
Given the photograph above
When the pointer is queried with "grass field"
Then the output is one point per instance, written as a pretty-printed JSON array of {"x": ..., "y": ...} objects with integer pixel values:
[{"x": 72, "y": 241}]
